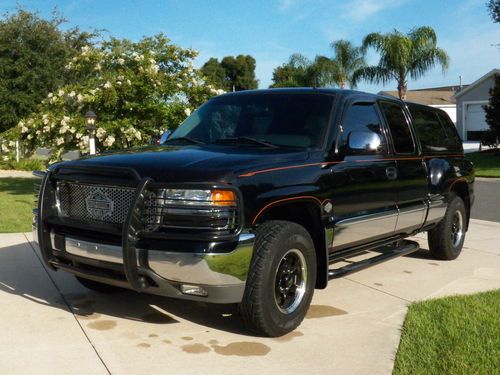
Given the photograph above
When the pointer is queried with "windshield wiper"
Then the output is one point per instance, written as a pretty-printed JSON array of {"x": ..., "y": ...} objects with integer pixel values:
[
  {"x": 189, "y": 139},
  {"x": 246, "y": 140}
]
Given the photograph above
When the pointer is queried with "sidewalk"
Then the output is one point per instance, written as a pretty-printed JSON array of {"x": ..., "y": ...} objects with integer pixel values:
[
  {"x": 52, "y": 325},
  {"x": 13, "y": 173}
]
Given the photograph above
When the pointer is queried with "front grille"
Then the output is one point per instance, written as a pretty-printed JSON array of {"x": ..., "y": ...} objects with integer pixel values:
[{"x": 94, "y": 203}]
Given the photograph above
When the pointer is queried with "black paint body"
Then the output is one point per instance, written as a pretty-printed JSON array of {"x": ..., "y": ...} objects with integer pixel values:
[{"x": 285, "y": 183}]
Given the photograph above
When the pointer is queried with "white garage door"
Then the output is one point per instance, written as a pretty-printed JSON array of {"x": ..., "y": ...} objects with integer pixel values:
[{"x": 474, "y": 118}]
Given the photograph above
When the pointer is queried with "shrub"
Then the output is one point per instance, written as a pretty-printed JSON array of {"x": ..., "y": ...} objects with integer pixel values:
[
  {"x": 31, "y": 164},
  {"x": 137, "y": 90}
]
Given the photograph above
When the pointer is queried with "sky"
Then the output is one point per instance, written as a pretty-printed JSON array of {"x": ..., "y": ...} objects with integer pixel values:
[{"x": 272, "y": 30}]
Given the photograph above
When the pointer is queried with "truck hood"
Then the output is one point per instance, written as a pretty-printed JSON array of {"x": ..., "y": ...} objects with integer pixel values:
[{"x": 204, "y": 163}]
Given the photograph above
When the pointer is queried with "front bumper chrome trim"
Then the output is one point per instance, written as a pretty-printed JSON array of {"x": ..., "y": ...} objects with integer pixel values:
[
  {"x": 205, "y": 269},
  {"x": 98, "y": 251}
]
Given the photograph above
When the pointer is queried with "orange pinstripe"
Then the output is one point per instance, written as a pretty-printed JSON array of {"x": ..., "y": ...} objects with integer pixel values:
[{"x": 250, "y": 174}]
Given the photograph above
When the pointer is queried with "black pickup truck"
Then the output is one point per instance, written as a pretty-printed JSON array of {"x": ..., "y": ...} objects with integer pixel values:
[{"x": 255, "y": 199}]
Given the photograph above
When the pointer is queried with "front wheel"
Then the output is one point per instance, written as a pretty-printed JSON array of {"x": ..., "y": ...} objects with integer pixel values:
[
  {"x": 447, "y": 238},
  {"x": 281, "y": 279}
]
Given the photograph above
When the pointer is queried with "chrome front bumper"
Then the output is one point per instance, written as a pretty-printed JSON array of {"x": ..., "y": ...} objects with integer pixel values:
[{"x": 222, "y": 276}]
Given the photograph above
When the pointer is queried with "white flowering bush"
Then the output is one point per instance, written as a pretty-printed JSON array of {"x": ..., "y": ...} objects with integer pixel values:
[{"x": 138, "y": 90}]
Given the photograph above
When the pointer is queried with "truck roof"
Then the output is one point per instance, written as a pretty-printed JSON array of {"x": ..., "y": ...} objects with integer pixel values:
[{"x": 310, "y": 90}]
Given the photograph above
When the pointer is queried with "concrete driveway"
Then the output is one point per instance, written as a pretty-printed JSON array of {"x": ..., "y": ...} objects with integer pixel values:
[
  {"x": 52, "y": 325},
  {"x": 486, "y": 206}
]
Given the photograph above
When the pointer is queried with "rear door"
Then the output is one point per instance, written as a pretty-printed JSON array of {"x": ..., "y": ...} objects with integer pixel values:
[
  {"x": 363, "y": 182},
  {"x": 412, "y": 185}
]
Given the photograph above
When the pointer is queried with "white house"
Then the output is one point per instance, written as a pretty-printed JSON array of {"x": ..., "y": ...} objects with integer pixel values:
[{"x": 470, "y": 101}]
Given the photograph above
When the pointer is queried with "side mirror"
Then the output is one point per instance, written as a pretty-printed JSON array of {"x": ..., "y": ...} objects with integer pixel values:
[
  {"x": 363, "y": 141},
  {"x": 164, "y": 137}
]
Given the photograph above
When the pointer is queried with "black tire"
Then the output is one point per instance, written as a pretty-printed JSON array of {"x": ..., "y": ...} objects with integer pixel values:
[
  {"x": 447, "y": 238},
  {"x": 98, "y": 287},
  {"x": 283, "y": 257}
]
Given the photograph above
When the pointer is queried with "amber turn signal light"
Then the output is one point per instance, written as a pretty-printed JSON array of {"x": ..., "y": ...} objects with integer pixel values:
[{"x": 223, "y": 198}]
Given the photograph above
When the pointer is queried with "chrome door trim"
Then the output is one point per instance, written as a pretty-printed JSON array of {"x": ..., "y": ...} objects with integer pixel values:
[
  {"x": 364, "y": 227},
  {"x": 411, "y": 216},
  {"x": 437, "y": 208}
]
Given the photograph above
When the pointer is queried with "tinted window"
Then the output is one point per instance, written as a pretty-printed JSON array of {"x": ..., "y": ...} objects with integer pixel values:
[
  {"x": 400, "y": 130},
  {"x": 295, "y": 120},
  {"x": 360, "y": 117},
  {"x": 431, "y": 133},
  {"x": 454, "y": 141}
]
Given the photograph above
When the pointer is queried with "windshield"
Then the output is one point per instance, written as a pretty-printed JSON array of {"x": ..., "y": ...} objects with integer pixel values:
[{"x": 289, "y": 120}]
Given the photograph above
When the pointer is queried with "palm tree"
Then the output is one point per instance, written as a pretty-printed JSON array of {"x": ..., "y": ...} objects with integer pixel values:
[
  {"x": 323, "y": 71},
  {"x": 348, "y": 59},
  {"x": 402, "y": 56}
]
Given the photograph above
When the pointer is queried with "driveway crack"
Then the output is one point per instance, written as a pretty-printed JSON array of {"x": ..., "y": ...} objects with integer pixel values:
[
  {"x": 378, "y": 290},
  {"x": 67, "y": 304}
]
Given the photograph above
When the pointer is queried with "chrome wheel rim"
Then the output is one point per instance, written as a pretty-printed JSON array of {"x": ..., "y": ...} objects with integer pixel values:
[
  {"x": 457, "y": 231},
  {"x": 290, "y": 281}
]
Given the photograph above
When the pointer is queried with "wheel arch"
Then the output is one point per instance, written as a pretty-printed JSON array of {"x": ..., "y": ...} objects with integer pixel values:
[{"x": 305, "y": 211}]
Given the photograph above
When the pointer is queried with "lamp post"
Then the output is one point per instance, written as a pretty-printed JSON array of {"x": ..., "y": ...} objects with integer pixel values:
[{"x": 90, "y": 120}]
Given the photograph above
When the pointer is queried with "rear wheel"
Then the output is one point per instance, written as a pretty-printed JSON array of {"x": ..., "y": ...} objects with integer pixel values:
[
  {"x": 98, "y": 287},
  {"x": 447, "y": 238},
  {"x": 281, "y": 279}
]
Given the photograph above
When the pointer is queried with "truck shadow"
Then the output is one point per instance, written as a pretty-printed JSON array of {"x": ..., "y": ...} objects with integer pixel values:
[
  {"x": 421, "y": 253},
  {"x": 21, "y": 274}
]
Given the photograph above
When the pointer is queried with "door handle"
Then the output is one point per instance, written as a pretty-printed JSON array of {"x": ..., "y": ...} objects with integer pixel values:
[{"x": 391, "y": 173}]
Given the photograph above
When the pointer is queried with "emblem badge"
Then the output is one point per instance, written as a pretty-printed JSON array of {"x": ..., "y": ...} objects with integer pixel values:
[{"x": 99, "y": 206}]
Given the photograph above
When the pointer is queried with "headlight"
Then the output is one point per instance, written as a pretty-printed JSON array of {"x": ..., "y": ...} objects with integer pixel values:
[
  {"x": 209, "y": 210},
  {"x": 197, "y": 197}
]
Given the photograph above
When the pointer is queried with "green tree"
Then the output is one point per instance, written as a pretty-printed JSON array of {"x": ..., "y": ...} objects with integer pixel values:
[
  {"x": 33, "y": 53},
  {"x": 494, "y": 10},
  {"x": 323, "y": 72},
  {"x": 240, "y": 72},
  {"x": 137, "y": 89},
  {"x": 402, "y": 57},
  {"x": 214, "y": 73},
  {"x": 299, "y": 71},
  {"x": 347, "y": 60},
  {"x": 294, "y": 73},
  {"x": 231, "y": 72},
  {"x": 286, "y": 75},
  {"x": 492, "y": 110}
]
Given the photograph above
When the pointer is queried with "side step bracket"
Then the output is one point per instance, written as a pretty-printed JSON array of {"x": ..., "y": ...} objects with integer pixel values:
[{"x": 405, "y": 247}]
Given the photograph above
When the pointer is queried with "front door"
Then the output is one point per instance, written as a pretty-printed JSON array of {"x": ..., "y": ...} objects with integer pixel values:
[{"x": 364, "y": 180}]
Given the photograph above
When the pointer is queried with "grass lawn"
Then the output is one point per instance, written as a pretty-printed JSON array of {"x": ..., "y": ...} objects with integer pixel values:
[
  {"x": 16, "y": 203},
  {"x": 454, "y": 335},
  {"x": 486, "y": 163}
]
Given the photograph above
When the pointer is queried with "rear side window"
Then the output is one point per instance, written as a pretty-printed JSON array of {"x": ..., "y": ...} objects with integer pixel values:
[
  {"x": 454, "y": 141},
  {"x": 430, "y": 131},
  {"x": 398, "y": 125},
  {"x": 361, "y": 117}
]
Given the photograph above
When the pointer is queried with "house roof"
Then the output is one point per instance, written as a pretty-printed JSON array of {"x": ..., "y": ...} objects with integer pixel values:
[
  {"x": 433, "y": 96},
  {"x": 477, "y": 82}
]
